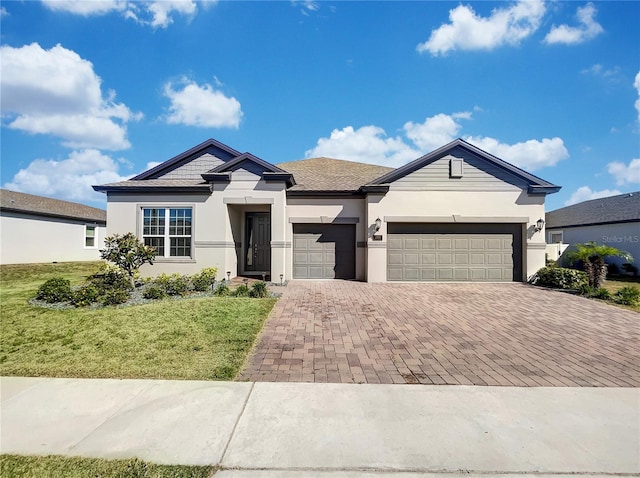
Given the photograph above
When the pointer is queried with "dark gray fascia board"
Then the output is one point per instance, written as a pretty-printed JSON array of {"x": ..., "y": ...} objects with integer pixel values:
[
  {"x": 176, "y": 159},
  {"x": 601, "y": 223},
  {"x": 438, "y": 153},
  {"x": 325, "y": 194},
  {"x": 286, "y": 177},
  {"x": 217, "y": 177},
  {"x": 247, "y": 157},
  {"x": 375, "y": 188},
  {"x": 101, "y": 222},
  {"x": 204, "y": 188},
  {"x": 535, "y": 189}
]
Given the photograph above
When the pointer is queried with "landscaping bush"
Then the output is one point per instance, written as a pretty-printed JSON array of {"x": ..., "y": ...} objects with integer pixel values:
[
  {"x": 241, "y": 291},
  {"x": 204, "y": 280},
  {"x": 115, "y": 297},
  {"x": 629, "y": 295},
  {"x": 110, "y": 277},
  {"x": 127, "y": 252},
  {"x": 54, "y": 290},
  {"x": 259, "y": 290},
  {"x": 153, "y": 292},
  {"x": 86, "y": 295},
  {"x": 174, "y": 284},
  {"x": 221, "y": 290},
  {"x": 601, "y": 293},
  {"x": 559, "y": 278}
]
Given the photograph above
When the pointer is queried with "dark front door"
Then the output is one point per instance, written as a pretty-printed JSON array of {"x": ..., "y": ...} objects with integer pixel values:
[{"x": 257, "y": 254}]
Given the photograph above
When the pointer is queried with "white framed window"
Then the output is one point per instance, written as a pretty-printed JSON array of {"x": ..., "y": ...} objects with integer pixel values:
[
  {"x": 90, "y": 231},
  {"x": 172, "y": 237},
  {"x": 555, "y": 237}
]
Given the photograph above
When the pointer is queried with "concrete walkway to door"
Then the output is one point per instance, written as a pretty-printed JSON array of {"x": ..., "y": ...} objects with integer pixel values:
[{"x": 462, "y": 333}]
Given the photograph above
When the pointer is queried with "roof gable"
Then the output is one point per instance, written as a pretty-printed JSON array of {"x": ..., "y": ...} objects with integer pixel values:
[
  {"x": 208, "y": 147},
  {"x": 251, "y": 163},
  {"x": 502, "y": 170}
]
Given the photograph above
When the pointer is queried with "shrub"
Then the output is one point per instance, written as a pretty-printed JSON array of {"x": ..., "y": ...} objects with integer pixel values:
[
  {"x": 56, "y": 289},
  {"x": 205, "y": 279},
  {"x": 559, "y": 278},
  {"x": 110, "y": 277},
  {"x": 259, "y": 290},
  {"x": 629, "y": 295},
  {"x": 601, "y": 293},
  {"x": 127, "y": 252},
  {"x": 221, "y": 290},
  {"x": 153, "y": 292},
  {"x": 85, "y": 295},
  {"x": 241, "y": 291},
  {"x": 174, "y": 284},
  {"x": 115, "y": 297}
]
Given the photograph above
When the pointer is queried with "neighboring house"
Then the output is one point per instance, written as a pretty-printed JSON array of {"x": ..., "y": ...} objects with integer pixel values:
[
  {"x": 456, "y": 214},
  {"x": 39, "y": 229},
  {"x": 614, "y": 221}
]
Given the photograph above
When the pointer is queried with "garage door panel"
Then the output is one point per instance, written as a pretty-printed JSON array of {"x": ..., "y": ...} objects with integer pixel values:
[
  {"x": 324, "y": 251},
  {"x": 458, "y": 252}
]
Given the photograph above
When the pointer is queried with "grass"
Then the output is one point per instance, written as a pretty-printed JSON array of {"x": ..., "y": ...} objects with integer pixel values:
[
  {"x": 614, "y": 284},
  {"x": 14, "y": 466},
  {"x": 191, "y": 339}
]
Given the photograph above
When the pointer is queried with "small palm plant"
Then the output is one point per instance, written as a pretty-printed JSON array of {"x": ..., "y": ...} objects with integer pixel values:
[{"x": 592, "y": 256}]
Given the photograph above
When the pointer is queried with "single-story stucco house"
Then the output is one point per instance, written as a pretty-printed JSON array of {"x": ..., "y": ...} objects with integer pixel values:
[
  {"x": 37, "y": 229},
  {"x": 614, "y": 221},
  {"x": 456, "y": 214}
]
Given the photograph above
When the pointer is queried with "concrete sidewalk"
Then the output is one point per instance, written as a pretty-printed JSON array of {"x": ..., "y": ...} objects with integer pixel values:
[{"x": 327, "y": 430}]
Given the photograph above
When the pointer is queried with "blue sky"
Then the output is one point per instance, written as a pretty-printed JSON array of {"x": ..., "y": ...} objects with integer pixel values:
[{"x": 97, "y": 91}]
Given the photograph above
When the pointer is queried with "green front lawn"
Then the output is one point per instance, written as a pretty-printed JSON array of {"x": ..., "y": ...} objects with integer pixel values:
[
  {"x": 193, "y": 339},
  {"x": 14, "y": 466}
]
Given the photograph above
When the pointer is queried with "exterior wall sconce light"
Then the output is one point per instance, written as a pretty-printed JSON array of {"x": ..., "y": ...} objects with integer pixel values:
[
  {"x": 378, "y": 224},
  {"x": 539, "y": 225},
  {"x": 228, "y": 276},
  {"x": 281, "y": 278}
]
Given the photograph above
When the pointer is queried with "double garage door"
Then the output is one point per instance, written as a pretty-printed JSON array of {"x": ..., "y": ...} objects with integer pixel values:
[
  {"x": 454, "y": 252},
  {"x": 324, "y": 251}
]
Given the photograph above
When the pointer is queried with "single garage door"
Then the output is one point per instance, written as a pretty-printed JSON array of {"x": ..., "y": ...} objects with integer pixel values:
[
  {"x": 454, "y": 252},
  {"x": 324, "y": 251}
]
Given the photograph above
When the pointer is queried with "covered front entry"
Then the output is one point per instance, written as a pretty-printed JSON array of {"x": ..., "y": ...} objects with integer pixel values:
[
  {"x": 324, "y": 251},
  {"x": 257, "y": 245},
  {"x": 454, "y": 252}
]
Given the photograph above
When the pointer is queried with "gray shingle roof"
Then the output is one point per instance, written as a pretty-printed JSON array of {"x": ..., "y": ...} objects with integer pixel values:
[
  {"x": 31, "y": 204},
  {"x": 621, "y": 208},
  {"x": 327, "y": 174}
]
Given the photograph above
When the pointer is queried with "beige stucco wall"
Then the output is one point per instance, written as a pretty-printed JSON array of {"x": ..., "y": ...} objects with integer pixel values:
[
  {"x": 28, "y": 239},
  {"x": 327, "y": 210},
  {"x": 442, "y": 206}
]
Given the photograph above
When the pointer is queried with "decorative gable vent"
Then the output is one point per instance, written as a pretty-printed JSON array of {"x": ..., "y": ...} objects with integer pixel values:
[{"x": 455, "y": 167}]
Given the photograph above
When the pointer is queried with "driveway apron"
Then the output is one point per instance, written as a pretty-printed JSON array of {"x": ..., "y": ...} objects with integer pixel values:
[{"x": 469, "y": 334}]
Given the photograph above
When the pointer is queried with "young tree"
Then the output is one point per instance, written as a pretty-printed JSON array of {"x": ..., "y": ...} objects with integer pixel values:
[
  {"x": 127, "y": 252},
  {"x": 593, "y": 255}
]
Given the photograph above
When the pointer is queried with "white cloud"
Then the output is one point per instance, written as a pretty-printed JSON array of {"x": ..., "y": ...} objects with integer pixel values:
[
  {"x": 84, "y": 7},
  {"x": 636, "y": 84},
  {"x": 585, "y": 193},
  {"x": 529, "y": 155},
  {"x": 201, "y": 105},
  {"x": 623, "y": 173},
  {"x": 368, "y": 144},
  {"x": 468, "y": 31},
  {"x": 158, "y": 14},
  {"x": 589, "y": 28},
  {"x": 69, "y": 178},
  {"x": 3, "y": 12},
  {"x": 57, "y": 92},
  {"x": 436, "y": 131},
  {"x": 611, "y": 74}
]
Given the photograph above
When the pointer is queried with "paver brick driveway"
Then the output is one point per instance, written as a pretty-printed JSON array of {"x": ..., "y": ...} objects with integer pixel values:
[{"x": 480, "y": 334}]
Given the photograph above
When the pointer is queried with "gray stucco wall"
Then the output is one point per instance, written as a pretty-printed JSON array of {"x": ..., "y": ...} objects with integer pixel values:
[{"x": 625, "y": 237}]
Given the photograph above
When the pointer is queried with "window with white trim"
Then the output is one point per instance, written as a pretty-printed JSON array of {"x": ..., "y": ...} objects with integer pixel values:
[
  {"x": 555, "y": 237},
  {"x": 90, "y": 235},
  {"x": 171, "y": 238}
]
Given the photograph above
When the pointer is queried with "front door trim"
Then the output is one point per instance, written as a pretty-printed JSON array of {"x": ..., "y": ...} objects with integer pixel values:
[{"x": 256, "y": 250}]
